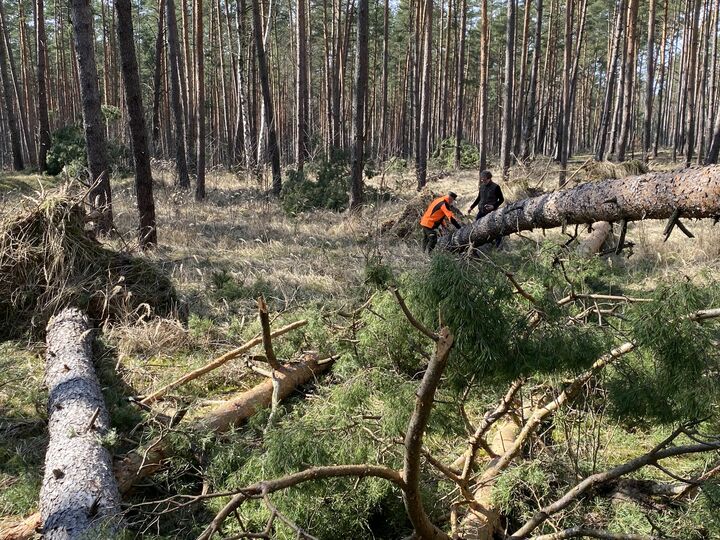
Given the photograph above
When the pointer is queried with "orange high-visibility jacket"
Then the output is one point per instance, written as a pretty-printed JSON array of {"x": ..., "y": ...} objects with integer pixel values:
[{"x": 438, "y": 210}]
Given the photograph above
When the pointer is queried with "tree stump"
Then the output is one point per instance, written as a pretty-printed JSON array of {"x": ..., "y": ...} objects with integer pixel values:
[{"x": 79, "y": 496}]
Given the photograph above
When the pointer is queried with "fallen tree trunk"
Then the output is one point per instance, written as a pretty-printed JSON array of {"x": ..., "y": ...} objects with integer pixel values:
[
  {"x": 79, "y": 496},
  {"x": 594, "y": 242},
  {"x": 694, "y": 192},
  {"x": 142, "y": 463}
]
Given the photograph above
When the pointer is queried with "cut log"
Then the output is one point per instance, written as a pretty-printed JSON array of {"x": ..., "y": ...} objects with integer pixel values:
[
  {"x": 140, "y": 464},
  {"x": 594, "y": 242},
  {"x": 694, "y": 192},
  {"x": 79, "y": 497}
]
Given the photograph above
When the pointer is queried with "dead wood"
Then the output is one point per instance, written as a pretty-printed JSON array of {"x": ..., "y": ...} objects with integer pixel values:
[
  {"x": 79, "y": 496},
  {"x": 595, "y": 241},
  {"x": 693, "y": 192},
  {"x": 219, "y": 361}
]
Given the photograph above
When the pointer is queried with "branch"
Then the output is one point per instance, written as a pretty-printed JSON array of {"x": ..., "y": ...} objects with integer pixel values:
[
  {"x": 414, "y": 438},
  {"x": 315, "y": 473},
  {"x": 257, "y": 340},
  {"x": 417, "y": 324},
  {"x": 584, "y": 532},
  {"x": 266, "y": 335},
  {"x": 650, "y": 458}
]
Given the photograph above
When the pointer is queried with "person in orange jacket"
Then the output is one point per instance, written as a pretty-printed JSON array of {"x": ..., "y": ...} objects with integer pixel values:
[{"x": 438, "y": 211}]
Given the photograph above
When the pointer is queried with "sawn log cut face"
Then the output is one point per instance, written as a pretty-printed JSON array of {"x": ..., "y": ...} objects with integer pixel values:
[
  {"x": 694, "y": 192},
  {"x": 79, "y": 493}
]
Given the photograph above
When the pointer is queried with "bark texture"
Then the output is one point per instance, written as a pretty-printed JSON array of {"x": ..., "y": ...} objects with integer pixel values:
[
  {"x": 694, "y": 192},
  {"x": 79, "y": 497}
]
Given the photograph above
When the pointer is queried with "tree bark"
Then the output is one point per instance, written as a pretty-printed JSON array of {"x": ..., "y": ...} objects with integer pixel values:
[
  {"x": 176, "y": 94},
  {"x": 147, "y": 232},
  {"x": 508, "y": 80},
  {"x": 243, "y": 117},
  {"x": 79, "y": 497},
  {"x": 425, "y": 105},
  {"x": 484, "y": 45},
  {"x": 460, "y": 84},
  {"x": 692, "y": 81},
  {"x": 301, "y": 90},
  {"x": 358, "y": 121},
  {"x": 43, "y": 119},
  {"x": 529, "y": 123},
  {"x": 629, "y": 80},
  {"x": 267, "y": 99},
  {"x": 649, "y": 89},
  {"x": 200, "y": 89},
  {"x": 8, "y": 95},
  {"x": 694, "y": 192},
  {"x": 157, "y": 76},
  {"x": 712, "y": 155},
  {"x": 100, "y": 197}
]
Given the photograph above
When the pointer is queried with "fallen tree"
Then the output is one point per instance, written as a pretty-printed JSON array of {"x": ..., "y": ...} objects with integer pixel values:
[
  {"x": 79, "y": 496},
  {"x": 690, "y": 193}
]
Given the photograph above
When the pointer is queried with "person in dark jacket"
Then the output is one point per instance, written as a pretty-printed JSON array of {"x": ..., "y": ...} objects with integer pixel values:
[{"x": 490, "y": 196}]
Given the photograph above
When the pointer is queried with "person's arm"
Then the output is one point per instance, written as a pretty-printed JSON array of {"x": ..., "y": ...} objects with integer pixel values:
[
  {"x": 448, "y": 213},
  {"x": 499, "y": 197},
  {"x": 477, "y": 201}
]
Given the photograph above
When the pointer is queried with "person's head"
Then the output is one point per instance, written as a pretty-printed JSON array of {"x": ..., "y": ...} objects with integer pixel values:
[
  {"x": 485, "y": 177},
  {"x": 452, "y": 196}
]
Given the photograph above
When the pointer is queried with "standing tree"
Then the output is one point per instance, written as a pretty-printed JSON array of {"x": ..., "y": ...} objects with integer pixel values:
[
  {"x": 564, "y": 114},
  {"x": 177, "y": 101},
  {"x": 133, "y": 98},
  {"x": 629, "y": 79},
  {"x": 691, "y": 113},
  {"x": 9, "y": 97},
  {"x": 507, "y": 100},
  {"x": 301, "y": 89},
  {"x": 100, "y": 198},
  {"x": 358, "y": 120},
  {"x": 460, "y": 83},
  {"x": 647, "y": 125},
  {"x": 482, "y": 120},
  {"x": 243, "y": 118},
  {"x": 158, "y": 76},
  {"x": 267, "y": 98},
  {"x": 200, "y": 88},
  {"x": 529, "y": 123},
  {"x": 43, "y": 119},
  {"x": 425, "y": 103}
]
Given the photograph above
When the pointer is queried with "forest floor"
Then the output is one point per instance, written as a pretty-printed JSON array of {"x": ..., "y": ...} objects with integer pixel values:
[{"x": 224, "y": 252}]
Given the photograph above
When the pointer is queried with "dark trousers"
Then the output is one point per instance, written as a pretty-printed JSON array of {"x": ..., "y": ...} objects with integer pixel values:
[{"x": 430, "y": 237}]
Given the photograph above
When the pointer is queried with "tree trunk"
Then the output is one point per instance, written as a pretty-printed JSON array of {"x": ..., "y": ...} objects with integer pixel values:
[
  {"x": 147, "y": 232},
  {"x": 460, "y": 84},
  {"x": 629, "y": 79},
  {"x": 100, "y": 197},
  {"x": 484, "y": 45},
  {"x": 10, "y": 113},
  {"x": 661, "y": 85},
  {"x": 157, "y": 76},
  {"x": 712, "y": 155},
  {"x": 301, "y": 90},
  {"x": 422, "y": 150},
  {"x": 521, "y": 101},
  {"x": 358, "y": 121},
  {"x": 267, "y": 98},
  {"x": 243, "y": 117},
  {"x": 564, "y": 115},
  {"x": 694, "y": 192},
  {"x": 42, "y": 76},
  {"x": 529, "y": 123},
  {"x": 692, "y": 81},
  {"x": 200, "y": 88},
  {"x": 79, "y": 496},
  {"x": 384, "y": 145},
  {"x": 177, "y": 100},
  {"x": 508, "y": 80},
  {"x": 649, "y": 89}
]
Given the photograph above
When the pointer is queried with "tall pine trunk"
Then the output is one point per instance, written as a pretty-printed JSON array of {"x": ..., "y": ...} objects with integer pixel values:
[
  {"x": 133, "y": 98},
  {"x": 422, "y": 150},
  {"x": 529, "y": 123},
  {"x": 267, "y": 98},
  {"x": 482, "y": 120},
  {"x": 507, "y": 101},
  {"x": 691, "y": 117},
  {"x": 301, "y": 89},
  {"x": 157, "y": 76},
  {"x": 647, "y": 124},
  {"x": 177, "y": 100},
  {"x": 100, "y": 198},
  {"x": 9, "y": 98},
  {"x": 200, "y": 88},
  {"x": 627, "y": 122},
  {"x": 358, "y": 121},
  {"x": 42, "y": 77},
  {"x": 460, "y": 84}
]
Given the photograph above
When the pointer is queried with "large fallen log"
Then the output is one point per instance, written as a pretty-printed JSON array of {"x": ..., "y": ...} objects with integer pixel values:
[
  {"x": 142, "y": 463},
  {"x": 692, "y": 193},
  {"x": 79, "y": 497}
]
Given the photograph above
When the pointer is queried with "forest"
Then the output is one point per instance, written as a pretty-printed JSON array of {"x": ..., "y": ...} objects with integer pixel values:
[{"x": 221, "y": 316}]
